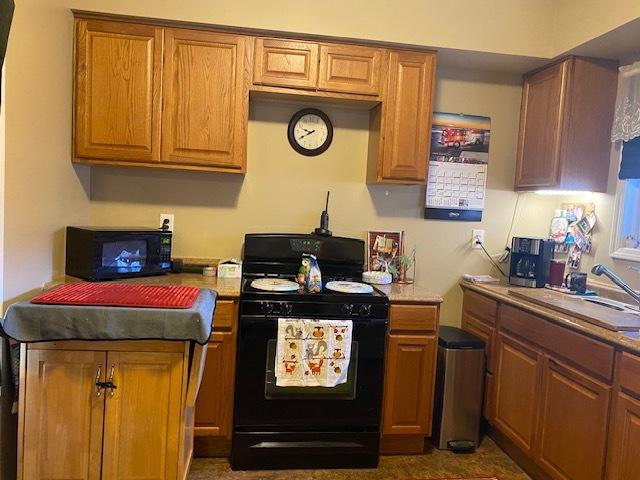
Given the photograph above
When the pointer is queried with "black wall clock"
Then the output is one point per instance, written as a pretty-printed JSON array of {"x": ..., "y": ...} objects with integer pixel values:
[{"x": 310, "y": 132}]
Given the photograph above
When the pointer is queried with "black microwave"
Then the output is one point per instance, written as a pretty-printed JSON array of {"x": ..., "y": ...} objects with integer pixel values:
[{"x": 95, "y": 253}]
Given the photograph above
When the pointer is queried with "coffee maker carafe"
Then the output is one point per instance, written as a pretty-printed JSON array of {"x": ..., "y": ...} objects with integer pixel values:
[{"x": 530, "y": 260}]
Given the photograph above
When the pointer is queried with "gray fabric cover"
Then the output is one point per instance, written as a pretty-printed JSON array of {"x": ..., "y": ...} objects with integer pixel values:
[{"x": 30, "y": 322}]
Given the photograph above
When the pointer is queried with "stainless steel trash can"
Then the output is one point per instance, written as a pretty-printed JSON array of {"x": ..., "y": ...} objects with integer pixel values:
[{"x": 459, "y": 390}]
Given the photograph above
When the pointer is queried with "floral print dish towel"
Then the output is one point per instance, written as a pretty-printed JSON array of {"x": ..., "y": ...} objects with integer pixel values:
[{"x": 313, "y": 353}]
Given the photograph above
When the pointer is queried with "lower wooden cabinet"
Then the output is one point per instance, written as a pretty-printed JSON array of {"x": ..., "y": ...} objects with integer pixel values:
[
  {"x": 623, "y": 462},
  {"x": 410, "y": 371},
  {"x": 214, "y": 405},
  {"x": 72, "y": 429},
  {"x": 64, "y": 416},
  {"x": 149, "y": 388},
  {"x": 573, "y": 423},
  {"x": 517, "y": 391},
  {"x": 410, "y": 365},
  {"x": 549, "y": 397}
]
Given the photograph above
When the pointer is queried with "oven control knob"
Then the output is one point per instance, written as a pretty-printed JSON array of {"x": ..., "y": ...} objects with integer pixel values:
[
  {"x": 287, "y": 308},
  {"x": 347, "y": 309},
  {"x": 266, "y": 307},
  {"x": 365, "y": 310}
]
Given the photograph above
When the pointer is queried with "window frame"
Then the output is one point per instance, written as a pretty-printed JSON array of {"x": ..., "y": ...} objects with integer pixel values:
[{"x": 617, "y": 249}]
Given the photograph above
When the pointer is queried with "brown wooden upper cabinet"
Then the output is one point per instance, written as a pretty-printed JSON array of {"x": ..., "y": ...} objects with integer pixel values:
[
  {"x": 400, "y": 126},
  {"x": 164, "y": 96},
  {"x": 285, "y": 63},
  {"x": 117, "y": 91},
  {"x": 126, "y": 71},
  {"x": 206, "y": 99},
  {"x": 338, "y": 68},
  {"x": 350, "y": 69},
  {"x": 565, "y": 125}
]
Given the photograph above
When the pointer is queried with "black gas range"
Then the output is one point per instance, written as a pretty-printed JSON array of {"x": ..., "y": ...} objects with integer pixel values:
[{"x": 306, "y": 427}]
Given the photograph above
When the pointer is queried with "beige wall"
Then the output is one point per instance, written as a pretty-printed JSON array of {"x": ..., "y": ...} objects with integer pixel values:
[
  {"x": 284, "y": 191},
  {"x": 578, "y": 21},
  {"x": 43, "y": 191}
]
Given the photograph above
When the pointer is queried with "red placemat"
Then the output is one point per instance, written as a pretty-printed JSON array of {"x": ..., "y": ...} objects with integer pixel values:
[{"x": 120, "y": 295}]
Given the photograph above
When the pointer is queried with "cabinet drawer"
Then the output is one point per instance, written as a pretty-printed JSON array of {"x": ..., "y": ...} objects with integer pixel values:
[
  {"x": 413, "y": 317},
  {"x": 481, "y": 307},
  {"x": 629, "y": 372},
  {"x": 225, "y": 316},
  {"x": 286, "y": 63},
  {"x": 589, "y": 354},
  {"x": 350, "y": 69}
]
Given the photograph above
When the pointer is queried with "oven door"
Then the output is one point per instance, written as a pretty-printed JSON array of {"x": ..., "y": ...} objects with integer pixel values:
[{"x": 260, "y": 405}]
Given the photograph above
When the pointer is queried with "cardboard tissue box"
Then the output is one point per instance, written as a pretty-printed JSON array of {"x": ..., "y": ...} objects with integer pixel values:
[{"x": 230, "y": 268}]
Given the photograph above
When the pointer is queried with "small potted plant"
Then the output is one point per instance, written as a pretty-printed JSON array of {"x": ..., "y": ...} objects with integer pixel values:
[{"x": 400, "y": 265}]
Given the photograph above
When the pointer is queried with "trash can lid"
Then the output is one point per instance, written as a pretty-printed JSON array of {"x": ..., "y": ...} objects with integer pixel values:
[{"x": 456, "y": 338}]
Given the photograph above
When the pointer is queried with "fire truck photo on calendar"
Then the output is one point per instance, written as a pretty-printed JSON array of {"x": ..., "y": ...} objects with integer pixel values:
[{"x": 457, "y": 167}]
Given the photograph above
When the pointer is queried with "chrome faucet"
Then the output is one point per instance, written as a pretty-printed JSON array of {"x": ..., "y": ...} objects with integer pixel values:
[{"x": 599, "y": 269}]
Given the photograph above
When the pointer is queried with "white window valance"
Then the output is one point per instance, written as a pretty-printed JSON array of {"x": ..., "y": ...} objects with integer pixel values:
[{"x": 626, "y": 123}]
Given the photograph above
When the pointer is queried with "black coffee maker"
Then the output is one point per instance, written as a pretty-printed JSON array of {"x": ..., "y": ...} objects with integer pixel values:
[{"x": 530, "y": 261}]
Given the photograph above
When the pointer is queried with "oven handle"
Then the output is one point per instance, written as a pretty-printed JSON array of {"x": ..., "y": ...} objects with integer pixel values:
[
  {"x": 307, "y": 444},
  {"x": 357, "y": 322}
]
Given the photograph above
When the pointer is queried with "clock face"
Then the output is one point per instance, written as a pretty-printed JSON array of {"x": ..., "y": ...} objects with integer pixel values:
[{"x": 310, "y": 132}]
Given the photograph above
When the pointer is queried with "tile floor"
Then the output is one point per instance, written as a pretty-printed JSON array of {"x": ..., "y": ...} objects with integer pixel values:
[{"x": 487, "y": 461}]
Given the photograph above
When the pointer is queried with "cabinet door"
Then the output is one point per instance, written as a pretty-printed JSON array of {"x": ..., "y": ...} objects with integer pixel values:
[
  {"x": 409, "y": 382},
  {"x": 406, "y": 122},
  {"x": 573, "y": 424},
  {"x": 350, "y": 69},
  {"x": 285, "y": 63},
  {"x": 214, "y": 406},
  {"x": 541, "y": 128},
  {"x": 63, "y": 415},
  {"x": 623, "y": 462},
  {"x": 517, "y": 391},
  {"x": 149, "y": 386},
  {"x": 483, "y": 332},
  {"x": 206, "y": 99},
  {"x": 117, "y": 91}
]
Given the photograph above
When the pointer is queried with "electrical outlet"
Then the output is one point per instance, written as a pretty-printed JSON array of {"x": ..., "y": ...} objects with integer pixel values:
[
  {"x": 479, "y": 235},
  {"x": 167, "y": 218}
]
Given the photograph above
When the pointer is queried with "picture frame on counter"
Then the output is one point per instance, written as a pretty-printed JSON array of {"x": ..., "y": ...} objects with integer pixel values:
[{"x": 383, "y": 247}]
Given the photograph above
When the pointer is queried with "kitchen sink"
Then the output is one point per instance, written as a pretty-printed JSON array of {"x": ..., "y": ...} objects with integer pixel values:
[{"x": 613, "y": 304}]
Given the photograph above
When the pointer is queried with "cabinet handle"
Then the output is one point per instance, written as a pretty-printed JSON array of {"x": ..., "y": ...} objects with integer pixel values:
[
  {"x": 98, "y": 383},
  {"x": 110, "y": 385}
]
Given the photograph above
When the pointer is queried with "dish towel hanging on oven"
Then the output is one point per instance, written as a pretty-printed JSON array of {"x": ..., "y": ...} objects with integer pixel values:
[{"x": 313, "y": 353}]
